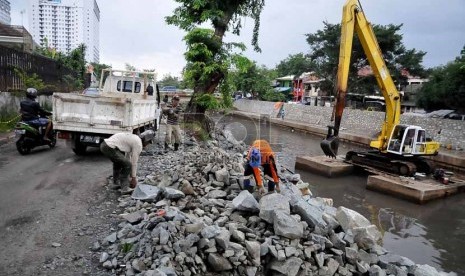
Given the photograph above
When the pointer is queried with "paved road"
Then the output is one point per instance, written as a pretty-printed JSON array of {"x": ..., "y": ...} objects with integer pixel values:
[{"x": 52, "y": 196}]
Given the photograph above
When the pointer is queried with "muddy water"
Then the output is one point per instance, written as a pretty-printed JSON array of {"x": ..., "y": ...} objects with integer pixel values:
[{"x": 431, "y": 234}]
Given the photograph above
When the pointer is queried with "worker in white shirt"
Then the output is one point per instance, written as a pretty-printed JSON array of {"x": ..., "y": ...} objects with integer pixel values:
[{"x": 124, "y": 149}]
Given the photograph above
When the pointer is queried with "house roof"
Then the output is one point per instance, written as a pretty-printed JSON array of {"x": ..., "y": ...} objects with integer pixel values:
[
  {"x": 7, "y": 30},
  {"x": 286, "y": 78}
]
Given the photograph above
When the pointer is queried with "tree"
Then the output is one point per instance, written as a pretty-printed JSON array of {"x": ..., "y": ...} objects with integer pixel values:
[
  {"x": 98, "y": 68},
  {"x": 446, "y": 87},
  {"x": 169, "y": 80},
  {"x": 295, "y": 65},
  {"x": 324, "y": 52},
  {"x": 254, "y": 79},
  {"x": 207, "y": 54}
]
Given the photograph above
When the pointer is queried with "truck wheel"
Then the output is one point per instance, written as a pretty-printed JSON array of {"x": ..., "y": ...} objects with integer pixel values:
[{"x": 79, "y": 148}]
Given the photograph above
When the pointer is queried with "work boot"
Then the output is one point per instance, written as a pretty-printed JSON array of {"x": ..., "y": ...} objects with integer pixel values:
[
  {"x": 166, "y": 146},
  {"x": 271, "y": 186},
  {"x": 176, "y": 146},
  {"x": 248, "y": 186}
]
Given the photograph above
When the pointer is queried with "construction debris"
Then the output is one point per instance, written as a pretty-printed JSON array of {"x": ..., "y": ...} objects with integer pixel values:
[{"x": 209, "y": 226}]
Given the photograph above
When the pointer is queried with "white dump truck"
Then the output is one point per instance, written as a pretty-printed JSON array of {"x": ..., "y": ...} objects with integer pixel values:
[{"x": 126, "y": 101}]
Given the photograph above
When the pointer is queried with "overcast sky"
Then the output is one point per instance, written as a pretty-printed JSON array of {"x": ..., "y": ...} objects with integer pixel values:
[{"x": 135, "y": 32}]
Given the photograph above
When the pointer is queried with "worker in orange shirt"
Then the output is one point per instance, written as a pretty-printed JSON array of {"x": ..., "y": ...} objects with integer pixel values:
[{"x": 261, "y": 154}]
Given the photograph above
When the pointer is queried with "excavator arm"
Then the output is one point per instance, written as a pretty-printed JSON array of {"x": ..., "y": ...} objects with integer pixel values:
[{"x": 354, "y": 20}]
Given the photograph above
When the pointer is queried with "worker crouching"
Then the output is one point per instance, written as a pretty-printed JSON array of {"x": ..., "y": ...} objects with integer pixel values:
[
  {"x": 261, "y": 154},
  {"x": 124, "y": 149}
]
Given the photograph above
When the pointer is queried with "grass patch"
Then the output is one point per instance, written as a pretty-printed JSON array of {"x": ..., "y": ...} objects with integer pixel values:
[{"x": 8, "y": 120}]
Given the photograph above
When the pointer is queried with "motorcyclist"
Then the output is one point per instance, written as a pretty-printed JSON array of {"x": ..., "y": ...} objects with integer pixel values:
[{"x": 33, "y": 114}]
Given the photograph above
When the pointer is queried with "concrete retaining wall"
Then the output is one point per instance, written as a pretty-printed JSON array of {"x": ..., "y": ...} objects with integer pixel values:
[{"x": 361, "y": 122}]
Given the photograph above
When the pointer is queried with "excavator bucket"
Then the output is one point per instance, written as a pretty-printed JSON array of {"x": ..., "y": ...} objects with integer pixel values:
[{"x": 330, "y": 145}]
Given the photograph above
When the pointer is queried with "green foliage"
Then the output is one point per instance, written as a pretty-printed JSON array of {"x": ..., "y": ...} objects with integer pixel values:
[
  {"x": 169, "y": 80},
  {"x": 324, "y": 45},
  {"x": 295, "y": 65},
  {"x": 74, "y": 61},
  {"x": 207, "y": 101},
  {"x": 253, "y": 79},
  {"x": 273, "y": 96},
  {"x": 98, "y": 68},
  {"x": 446, "y": 87},
  {"x": 208, "y": 57},
  {"x": 126, "y": 247},
  {"x": 72, "y": 83},
  {"x": 8, "y": 119},
  {"x": 223, "y": 15},
  {"x": 30, "y": 80}
]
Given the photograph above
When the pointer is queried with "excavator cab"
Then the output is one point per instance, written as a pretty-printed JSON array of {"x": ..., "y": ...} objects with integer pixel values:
[{"x": 410, "y": 140}]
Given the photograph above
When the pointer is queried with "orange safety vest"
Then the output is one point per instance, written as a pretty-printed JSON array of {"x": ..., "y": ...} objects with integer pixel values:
[{"x": 267, "y": 157}]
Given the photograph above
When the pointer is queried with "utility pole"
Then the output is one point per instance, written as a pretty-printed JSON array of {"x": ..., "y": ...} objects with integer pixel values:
[{"x": 22, "y": 19}]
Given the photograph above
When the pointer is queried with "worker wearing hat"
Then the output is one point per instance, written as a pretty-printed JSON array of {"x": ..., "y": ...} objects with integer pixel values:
[
  {"x": 173, "y": 112},
  {"x": 261, "y": 154}
]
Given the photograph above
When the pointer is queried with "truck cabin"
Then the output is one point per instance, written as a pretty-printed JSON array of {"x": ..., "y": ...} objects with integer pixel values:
[
  {"x": 407, "y": 140},
  {"x": 127, "y": 82}
]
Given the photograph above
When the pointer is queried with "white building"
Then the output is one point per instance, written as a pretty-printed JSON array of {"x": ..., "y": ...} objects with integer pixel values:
[
  {"x": 5, "y": 8},
  {"x": 65, "y": 24}
]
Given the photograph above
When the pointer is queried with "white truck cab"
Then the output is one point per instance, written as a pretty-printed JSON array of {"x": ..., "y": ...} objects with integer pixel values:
[{"x": 127, "y": 101}]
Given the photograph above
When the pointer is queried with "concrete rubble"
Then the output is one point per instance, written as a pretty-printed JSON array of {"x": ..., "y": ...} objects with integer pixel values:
[{"x": 210, "y": 226}]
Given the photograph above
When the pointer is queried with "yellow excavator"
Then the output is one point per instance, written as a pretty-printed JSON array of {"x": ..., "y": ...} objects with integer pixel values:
[{"x": 398, "y": 148}]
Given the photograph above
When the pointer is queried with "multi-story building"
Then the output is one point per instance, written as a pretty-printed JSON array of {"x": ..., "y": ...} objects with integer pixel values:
[
  {"x": 5, "y": 9},
  {"x": 65, "y": 24}
]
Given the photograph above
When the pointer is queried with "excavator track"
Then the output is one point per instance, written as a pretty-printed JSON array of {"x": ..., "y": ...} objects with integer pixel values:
[{"x": 375, "y": 161}]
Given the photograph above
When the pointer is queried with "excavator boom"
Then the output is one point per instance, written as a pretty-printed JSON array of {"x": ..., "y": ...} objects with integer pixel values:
[{"x": 354, "y": 20}]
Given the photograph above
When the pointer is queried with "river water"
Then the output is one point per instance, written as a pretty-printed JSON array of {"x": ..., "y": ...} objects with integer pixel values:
[{"x": 431, "y": 234}]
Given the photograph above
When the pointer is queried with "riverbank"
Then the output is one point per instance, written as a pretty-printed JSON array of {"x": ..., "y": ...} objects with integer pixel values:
[
  {"x": 361, "y": 134},
  {"x": 190, "y": 216}
]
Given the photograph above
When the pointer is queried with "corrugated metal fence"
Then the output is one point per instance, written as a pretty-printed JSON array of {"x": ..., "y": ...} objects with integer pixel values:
[{"x": 47, "y": 69}]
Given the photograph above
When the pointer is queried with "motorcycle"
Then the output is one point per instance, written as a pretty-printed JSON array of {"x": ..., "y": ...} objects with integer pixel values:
[{"x": 30, "y": 137}]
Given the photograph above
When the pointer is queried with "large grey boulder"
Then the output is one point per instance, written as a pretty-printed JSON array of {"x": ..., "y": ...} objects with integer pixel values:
[
  {"x": 210, "y": 231},
  {"x": 222, "y": 175},
  {"x": 146, "y": 192},
  {"x": 253, "y": 247},
  {"x": 171, "y": 193},
  {"x": 366, "y": 237},
  {"x": 219, "y": 263},
  {"x": 312, "y": 215},
  {"x": 287, "y": 226},
  {"x": 245, "y": 202},
  {"x": 350, "y": 219},
  {"x": 289, "y": 267},
  {"x": 271, "y": 203}
]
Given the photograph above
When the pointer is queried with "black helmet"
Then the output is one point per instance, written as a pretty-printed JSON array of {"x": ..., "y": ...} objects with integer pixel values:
[{"x": 31, "y": 93}]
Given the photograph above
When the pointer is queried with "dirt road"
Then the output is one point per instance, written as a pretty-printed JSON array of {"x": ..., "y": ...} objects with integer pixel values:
[{"x": 53, "y": 207}]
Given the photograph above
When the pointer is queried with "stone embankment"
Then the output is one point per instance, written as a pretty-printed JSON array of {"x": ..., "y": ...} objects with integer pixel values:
[
  {"x": 361, "y": 122},
  {"x": 191, "y": 217},
  {"x": 360, "y": 126}
]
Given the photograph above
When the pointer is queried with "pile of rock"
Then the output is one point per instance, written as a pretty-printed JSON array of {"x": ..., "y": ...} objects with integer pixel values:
[{"x": 191, "y": 217}]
